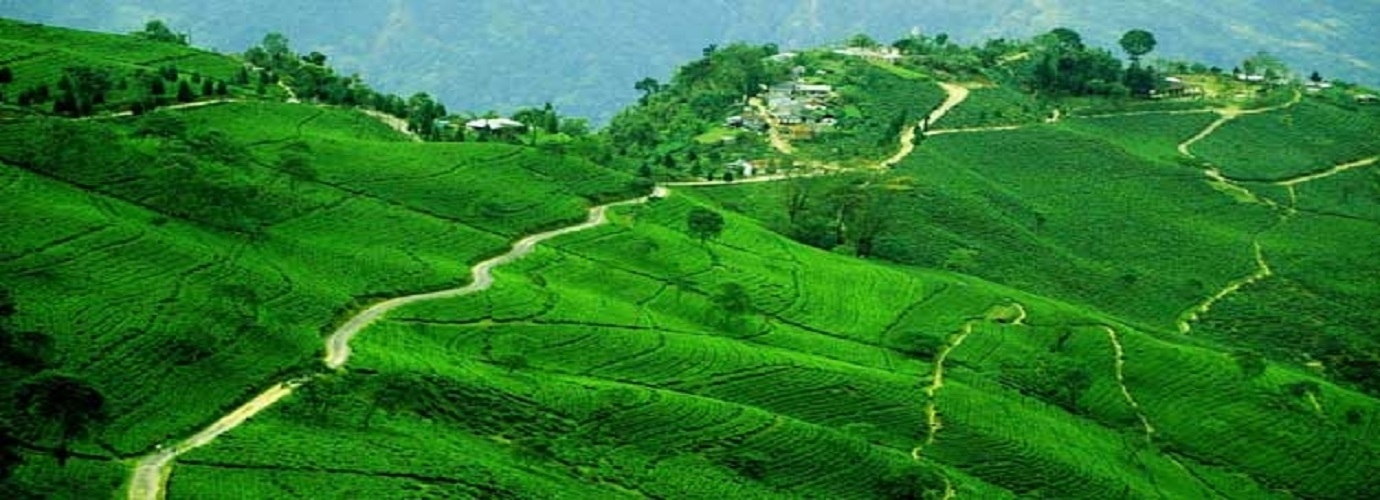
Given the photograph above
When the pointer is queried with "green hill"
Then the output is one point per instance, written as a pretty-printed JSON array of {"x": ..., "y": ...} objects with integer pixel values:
[{"x": 1124, "y": 298}]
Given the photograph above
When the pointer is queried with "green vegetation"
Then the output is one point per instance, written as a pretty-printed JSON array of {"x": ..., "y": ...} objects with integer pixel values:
[
  {"x": 995, "y": 106},
  {"x": 209, "y": 248},
  {"x": 874, "y": 105},
  {"x": 637, "y": 378},
  {"x": 1063, "y": 309},
  {"x": 1322, "y": 135},
  {"x": 79, "y": 73}
]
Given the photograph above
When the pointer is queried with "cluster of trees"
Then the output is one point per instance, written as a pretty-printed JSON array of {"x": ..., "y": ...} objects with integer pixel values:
[
  {"x": 661, "y": 130},
  {"x": 49, "y": 408},
  {"x": 1062, "y": 65},
  {"x": 81, "y": 90},
  {"x": 158, "y": 31},
  {"x": 312, "y": 80},
  {"x": 851, "y": 214},
  {"x": 202, "y": 176}
]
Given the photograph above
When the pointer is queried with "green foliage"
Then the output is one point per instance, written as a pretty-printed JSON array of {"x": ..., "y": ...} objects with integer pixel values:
[
  {"x": 874, "y": 105},
  {"x": 994, "y": 106},
  {"x": 1319, "y": 136},
  {"x": 1137, "y": 43},
  {"x": 60, "y": 406},
  {"x": 733, "y": 299},
  {"x": 77, "y": 73},
  {"x": 698, "y": 97},
  {"x": 704, "y": 223},
  {"x": 1252, "y": 364},
  {"x": 158, "y": 31}
]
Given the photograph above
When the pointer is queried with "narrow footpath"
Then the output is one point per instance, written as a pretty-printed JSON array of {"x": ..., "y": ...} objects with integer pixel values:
[
  {"x": 1262, "y": 271},
  {"x": 151, "y": 472},
  {"x": 1228, "y": 185},
  {"x": 1120, "y": 363},
  {"x": 932, "y": 421},
  {"x": 954, "y": 95}
]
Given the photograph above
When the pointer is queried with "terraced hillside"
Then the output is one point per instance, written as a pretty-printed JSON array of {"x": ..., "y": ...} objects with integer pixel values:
[
  {"x": 609, "y": 365},
  {"x": 291, "y": 300},
  {"x": 103, "y": 255}
]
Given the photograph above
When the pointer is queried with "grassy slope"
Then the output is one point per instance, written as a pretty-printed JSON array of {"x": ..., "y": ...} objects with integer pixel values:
[
  {"x": 38, "y": 55},
  {"x": 636, "y": 379},
  {"x": 994, "y": 106},
  {"x": 114, "y": 278},
  {"x": 1059, "y": 211},
  {"x": 1320, "y": 135}
]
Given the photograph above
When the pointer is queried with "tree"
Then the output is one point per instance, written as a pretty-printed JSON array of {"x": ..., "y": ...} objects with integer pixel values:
[
  {"x": 704, "y": 223},
  {"x": 28, "y": 351},
  {"x": 208, "y": 89},
  {"x": 157, "y": 87},
  {"x": 1315, "y": 77},
  {"x": 1066, "y": 39},
  {"x": 9, "y": 453},
  {"x": 222, "y": 89},
  {"x": 81, "y": 88},
  {"x": 315, "y": 58},
  {"x": 862, "y": 41},
  {"x": 275, "y": 46},
  {"x": 1137, "y": 43},
  {"x": 797, "y": 197},
  {"x": 647, "y": 86},
  {"x": 6, "y": 75},
  {"x": 158, "y": 31},
  {"x": 54, "y": 403},
  {"x": 295, "y": 161},
  {"x": 733, "y": 298},
  {"x": 910, "y": 482},
  {"x": 184, "y": 92}
]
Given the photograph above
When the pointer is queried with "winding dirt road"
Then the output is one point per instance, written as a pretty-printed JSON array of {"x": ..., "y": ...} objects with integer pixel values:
[
  {"x": 779, "y": 143},
  {"x": 393, "y": 122},
  {"x": 1216, "y": 177},
  {"x": 1291, "y": 182},
  {"x": 954, "y": 95},
  {"x": 151, "y": 472},
  {"x": 1226, "y": 116}
]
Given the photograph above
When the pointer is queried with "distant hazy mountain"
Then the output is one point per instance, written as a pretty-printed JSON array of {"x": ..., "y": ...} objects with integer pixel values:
[{"x": 584, "y": 55}]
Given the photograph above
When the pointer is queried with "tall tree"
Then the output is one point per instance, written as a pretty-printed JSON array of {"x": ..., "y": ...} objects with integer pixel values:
[
  {"x": 733, "y": 298},
  {"x": 647, "y": 86},
  {"x": 1066, "y": 39},
  {"x": 184, "y": 92},
  {"x": 1137, "y": 43},
  {"x": 704, "y": 223},
  {"x": 54, "y": 403},
  {"x": 158, "y": 31}
]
